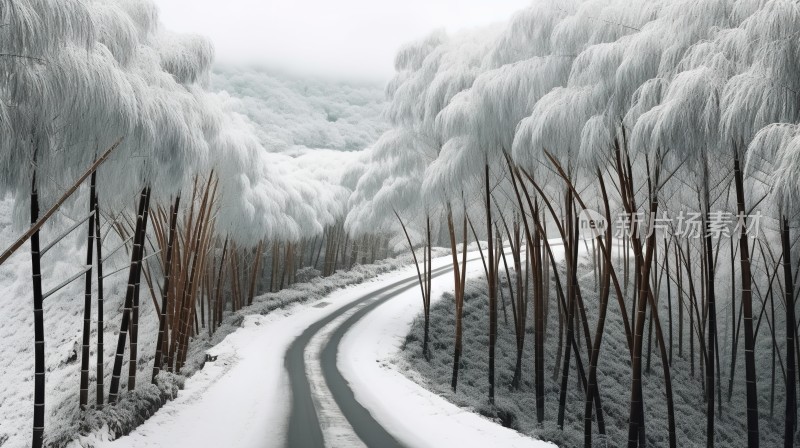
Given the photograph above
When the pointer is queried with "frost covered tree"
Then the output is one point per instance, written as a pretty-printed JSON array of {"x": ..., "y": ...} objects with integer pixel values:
[
  {"x": 644, "y": 108},
  {"x": 98, "y": 91}
]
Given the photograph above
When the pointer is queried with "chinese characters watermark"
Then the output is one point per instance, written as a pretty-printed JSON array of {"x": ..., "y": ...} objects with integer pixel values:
[{"x": 720, "y": 224}]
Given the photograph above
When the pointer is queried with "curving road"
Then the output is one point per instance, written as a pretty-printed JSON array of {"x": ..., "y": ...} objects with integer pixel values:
[
  {"x": 333, "y": 388},
  {"x": 305, "y": 428}
]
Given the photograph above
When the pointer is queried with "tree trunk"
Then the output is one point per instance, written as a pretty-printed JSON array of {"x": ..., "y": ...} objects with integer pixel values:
[
  {"x": 100, "y": 302},
  {"x": 712, "y": 313},
  {"x": 458, "y": 278},
  {"x": 642, "y": 262},
  {"x": 572, "y": 250},
  {"x": 692, "y": 304},
  {"x": 165, "y": 291},
  {"x": 254, "y": 277},
  {"x": 747, "y": 310},
  {"x": 38, "y": 324},
  {"x": 790, "y": 420},
  {"x": 669, "y": 297},
  {"x": 220, "y": 280},
  {"x": 421, "y": 280},
  {"x": 134, "y": 340},
  {"x": 571, "y": 299},
  {"x": 136, "y": 260},
  {"x": 286, "y": 261},
  {"x": 429, "y": 279},
  {"x": 541, "y": 276},
  {"x": 195, "y": 249},
  {"x": 338, "y": 245},
  {"x": 274, "y": 261},
  {"x": 605, "y": 285},
  {"x": 679, "y": 269},
  {"x": 533, "y": 260},
  {"x": 492, "y": 284},
  {"x": 87, "y": 300}
]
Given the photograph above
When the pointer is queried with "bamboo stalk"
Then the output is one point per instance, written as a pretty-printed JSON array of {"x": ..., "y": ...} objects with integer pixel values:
[
  {"x": 38, "y": 322},
  {"x": 136, "y": 256},
  {"x": 163, "y": 323},
  {"x": 99, "y": 399},
  {"x": 254, "y": 276},
  {"x": 83, "y": 396},
  {"x": 134, "y": 329}
]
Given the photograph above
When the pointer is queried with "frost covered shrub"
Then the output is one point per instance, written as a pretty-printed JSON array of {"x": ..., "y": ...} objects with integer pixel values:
[
  {"x": 122, "y": 417},
  {"x": 307, "y": 274},
  {"x": 503, "y": 415}
]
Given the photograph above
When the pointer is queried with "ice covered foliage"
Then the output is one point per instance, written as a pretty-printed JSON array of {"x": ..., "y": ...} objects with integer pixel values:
[
  {"x": 686, "y": 121},
  {"x": 264, "y": 195},
  {"x": 431, "y": 72},
  {"x": 188, "y": 58},
  {"x": 390, "y": 182},
  {"x": 86, "y": 85},
  {"x": 686, "y": 80},
  {"x": 764, "y": 92},
  {"x": 106, "y": 69},
  {"x": 528, "y": 33},
  {"x": 296, "y": 112},
  {"x": 772, "y": 151}
]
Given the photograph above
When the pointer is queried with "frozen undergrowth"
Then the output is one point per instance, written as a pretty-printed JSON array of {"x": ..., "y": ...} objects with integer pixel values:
[
  {"x": 517, "y": 409},
  {"x": 132, "y": 409}
]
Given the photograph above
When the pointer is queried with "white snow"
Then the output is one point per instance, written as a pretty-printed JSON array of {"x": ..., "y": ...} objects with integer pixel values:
[{"x": 242, "y": 398}]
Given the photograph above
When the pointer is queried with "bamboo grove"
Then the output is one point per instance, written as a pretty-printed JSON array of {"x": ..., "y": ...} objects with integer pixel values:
[
  {"x": 104, "y": 112},
  {"x": 602, "y": 139},
  {"x": 592, "y": 135}
]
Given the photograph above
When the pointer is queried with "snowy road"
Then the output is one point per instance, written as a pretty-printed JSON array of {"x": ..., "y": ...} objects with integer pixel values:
[
  {"x": 322, "y": 374},
  {"x": 305, "y": 428}
]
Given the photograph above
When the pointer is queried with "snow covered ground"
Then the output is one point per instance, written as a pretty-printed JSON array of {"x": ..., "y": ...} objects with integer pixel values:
[
  {"x": 241, "y": 399},
  {"x": 413, "y": 414},
  {"x": 63, "y": 317},
  {"x": 613, "y": 375}
]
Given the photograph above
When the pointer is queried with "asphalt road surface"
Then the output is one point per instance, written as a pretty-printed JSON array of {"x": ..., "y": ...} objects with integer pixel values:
[{"x": 304, "y": 429}]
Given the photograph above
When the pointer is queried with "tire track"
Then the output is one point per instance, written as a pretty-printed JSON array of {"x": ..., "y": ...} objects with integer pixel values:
[{"x": 304, "y": 428}]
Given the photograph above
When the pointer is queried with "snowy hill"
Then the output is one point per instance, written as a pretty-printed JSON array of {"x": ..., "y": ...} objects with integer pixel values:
[{"x": 293, "y": 111}]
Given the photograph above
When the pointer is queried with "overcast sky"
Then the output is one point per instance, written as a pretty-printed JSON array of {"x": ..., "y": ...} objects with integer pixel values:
[{"x": 354, "y": 39}]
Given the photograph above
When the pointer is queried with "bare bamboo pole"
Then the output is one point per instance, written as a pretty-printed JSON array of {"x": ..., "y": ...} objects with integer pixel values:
[
  {"x": 83, "y": 396},
  {"x": 163, "y": 323},
  {"x": 38, "y": 321},
  {"x": 134, "y": 329},
  {"x": 136, "y": 256},
  {"x": 100, "y": 392},
  {"x": 254, "y": 275}
]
